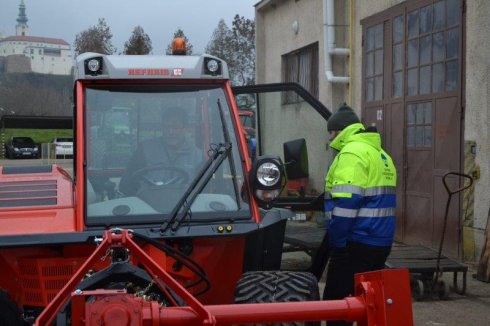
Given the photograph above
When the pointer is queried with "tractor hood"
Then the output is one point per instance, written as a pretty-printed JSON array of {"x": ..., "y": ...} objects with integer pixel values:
[{"x": 35, "y": 199}]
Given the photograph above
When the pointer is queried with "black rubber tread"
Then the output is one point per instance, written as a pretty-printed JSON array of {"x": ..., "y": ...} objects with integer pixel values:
[{"x": 277, "y": 286}]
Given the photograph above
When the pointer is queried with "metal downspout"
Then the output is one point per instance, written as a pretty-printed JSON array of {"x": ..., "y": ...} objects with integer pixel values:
[
  {"x": 329, "y": 43},
  {"x": 352, "y": 33}
]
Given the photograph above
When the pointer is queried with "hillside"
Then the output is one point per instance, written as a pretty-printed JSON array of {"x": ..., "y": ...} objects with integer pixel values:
[{"x": 35, "y": 94}]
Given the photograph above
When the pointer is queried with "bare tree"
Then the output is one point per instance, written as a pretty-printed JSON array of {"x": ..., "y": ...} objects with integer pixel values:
[
  {"x": 220, "y": 43},
  {"x": 180, "y": 33},
  {"x": 29, "y": 94},
  {"x": 243, "y": 44},
  {"x": 138, "y": 43},
  {"x": 97, "y": 38},
  {"x": 237, "y": 48}
]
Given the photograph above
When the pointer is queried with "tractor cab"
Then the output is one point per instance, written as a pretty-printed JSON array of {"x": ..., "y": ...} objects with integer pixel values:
[{"x": 162, "y": 143}]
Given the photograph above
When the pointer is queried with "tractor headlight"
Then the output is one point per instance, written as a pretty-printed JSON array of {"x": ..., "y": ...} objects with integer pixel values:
[
  {"x": 212, "y": 66},
  {"x": 93, "y": 66},
  {"x": 268, "y": 174},
  {"x": 267, "y": 179}
]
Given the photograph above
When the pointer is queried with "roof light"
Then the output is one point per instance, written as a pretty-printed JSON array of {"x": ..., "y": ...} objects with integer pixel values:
[
  {"x": 212, "y": 66},
  {"x": 178, "y": 46},
  {"x": 93, "y": 66}
]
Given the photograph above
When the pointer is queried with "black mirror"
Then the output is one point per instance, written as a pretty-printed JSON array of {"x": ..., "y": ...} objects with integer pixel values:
[{"x": 296, "y": 157}]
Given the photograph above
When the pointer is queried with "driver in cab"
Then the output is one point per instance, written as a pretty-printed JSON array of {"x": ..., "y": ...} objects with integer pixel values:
[{"x": 169, "y": 159}]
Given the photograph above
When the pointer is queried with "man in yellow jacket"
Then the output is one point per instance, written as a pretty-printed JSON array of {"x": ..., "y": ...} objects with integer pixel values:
[{"x": 360, "y": 202}]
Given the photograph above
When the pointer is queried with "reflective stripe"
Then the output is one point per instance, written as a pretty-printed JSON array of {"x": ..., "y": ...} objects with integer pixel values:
[
  {"x": 383, "y": 190},
  {"x": 348, "y": 189},
  {"x": 364, "y": 212},
  {"x": 344, "y": 212},
  {"x": 377, "y": 212},
  {"x": 371, "y": 191},
  {"x": 328, "y": 195}
]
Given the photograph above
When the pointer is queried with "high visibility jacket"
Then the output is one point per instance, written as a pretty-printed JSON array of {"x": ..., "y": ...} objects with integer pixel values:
[{"x": 360, "y": 190}]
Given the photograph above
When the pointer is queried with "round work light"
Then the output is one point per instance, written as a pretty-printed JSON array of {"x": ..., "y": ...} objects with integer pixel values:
[
  {"x": 268, "y": 174},
  {"x": 212, "y": 65},
  {"x": 93, "y": 65}
]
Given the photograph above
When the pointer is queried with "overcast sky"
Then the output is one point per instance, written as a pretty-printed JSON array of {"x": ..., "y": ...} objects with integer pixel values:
[{"x": 64, "y": 19}]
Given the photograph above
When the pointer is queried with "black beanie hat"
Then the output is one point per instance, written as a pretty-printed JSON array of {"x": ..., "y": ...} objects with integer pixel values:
[{"x": 343, "y": 117}]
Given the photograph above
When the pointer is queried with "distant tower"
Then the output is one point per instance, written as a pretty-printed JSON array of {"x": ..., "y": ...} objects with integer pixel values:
[{"x": 21, "y": 28}]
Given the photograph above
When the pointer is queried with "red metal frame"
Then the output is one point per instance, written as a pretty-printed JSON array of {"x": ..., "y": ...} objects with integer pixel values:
[
  {"x": 382, "y": 298},
  {"x": 243, "y": 149}
]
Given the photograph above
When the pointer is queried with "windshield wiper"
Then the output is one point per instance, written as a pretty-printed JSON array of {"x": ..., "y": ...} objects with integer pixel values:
[
  {"x": 226, "y": 135},
  {"x": 177, "y": 216},
  {"x": 219, "y": 154}
]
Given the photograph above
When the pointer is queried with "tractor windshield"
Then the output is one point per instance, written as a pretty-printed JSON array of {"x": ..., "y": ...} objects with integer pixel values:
[{"x": 145, "y": 145}]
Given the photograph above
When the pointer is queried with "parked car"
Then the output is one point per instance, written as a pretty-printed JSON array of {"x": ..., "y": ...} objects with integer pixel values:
[
  {"x": 63, "y": 146},
  {"x": 19, "y": 147}
]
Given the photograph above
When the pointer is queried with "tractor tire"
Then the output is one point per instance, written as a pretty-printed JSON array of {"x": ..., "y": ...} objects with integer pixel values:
[
  {"x": 10, "y": 315},
  {"x": 277, "y": 286}
]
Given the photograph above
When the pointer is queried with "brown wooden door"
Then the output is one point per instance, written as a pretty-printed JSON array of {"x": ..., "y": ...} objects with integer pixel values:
[{"x": 412, "y": 68}]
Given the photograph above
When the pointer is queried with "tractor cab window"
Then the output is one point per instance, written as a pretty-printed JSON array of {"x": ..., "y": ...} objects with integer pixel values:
[{"x": 152, "y": 150}]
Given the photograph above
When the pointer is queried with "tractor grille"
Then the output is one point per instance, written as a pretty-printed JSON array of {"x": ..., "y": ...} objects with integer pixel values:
[
  {"x": 28, "y": 193},
  {"x": 43, "y": 278}
]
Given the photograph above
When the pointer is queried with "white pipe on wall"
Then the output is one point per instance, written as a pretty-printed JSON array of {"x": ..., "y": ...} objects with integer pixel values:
[{"x": 329, "y": 43}]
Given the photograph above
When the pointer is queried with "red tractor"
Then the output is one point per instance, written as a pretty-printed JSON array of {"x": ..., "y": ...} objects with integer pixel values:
[{"x": 139, "y": 232}]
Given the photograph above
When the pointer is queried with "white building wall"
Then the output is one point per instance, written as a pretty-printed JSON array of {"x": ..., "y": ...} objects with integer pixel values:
[
  {"x": 11, "y": 48},
  {"x": 44, "y": 56},
  {"x": 275, "y": 40},
  {"x": 477, "y": 115}
]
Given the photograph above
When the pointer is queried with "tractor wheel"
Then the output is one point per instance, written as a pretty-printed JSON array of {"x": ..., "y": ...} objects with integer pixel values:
[
  {"x": 10, "y": 314},
  {"x": 277, "y": 286}
]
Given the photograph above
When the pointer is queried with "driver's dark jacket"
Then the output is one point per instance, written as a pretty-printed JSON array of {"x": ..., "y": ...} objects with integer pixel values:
[{"x": 155, "y": 152}]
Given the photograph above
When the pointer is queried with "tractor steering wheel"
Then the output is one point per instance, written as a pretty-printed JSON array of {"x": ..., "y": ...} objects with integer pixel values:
[{"x": 179, "y": 175}]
